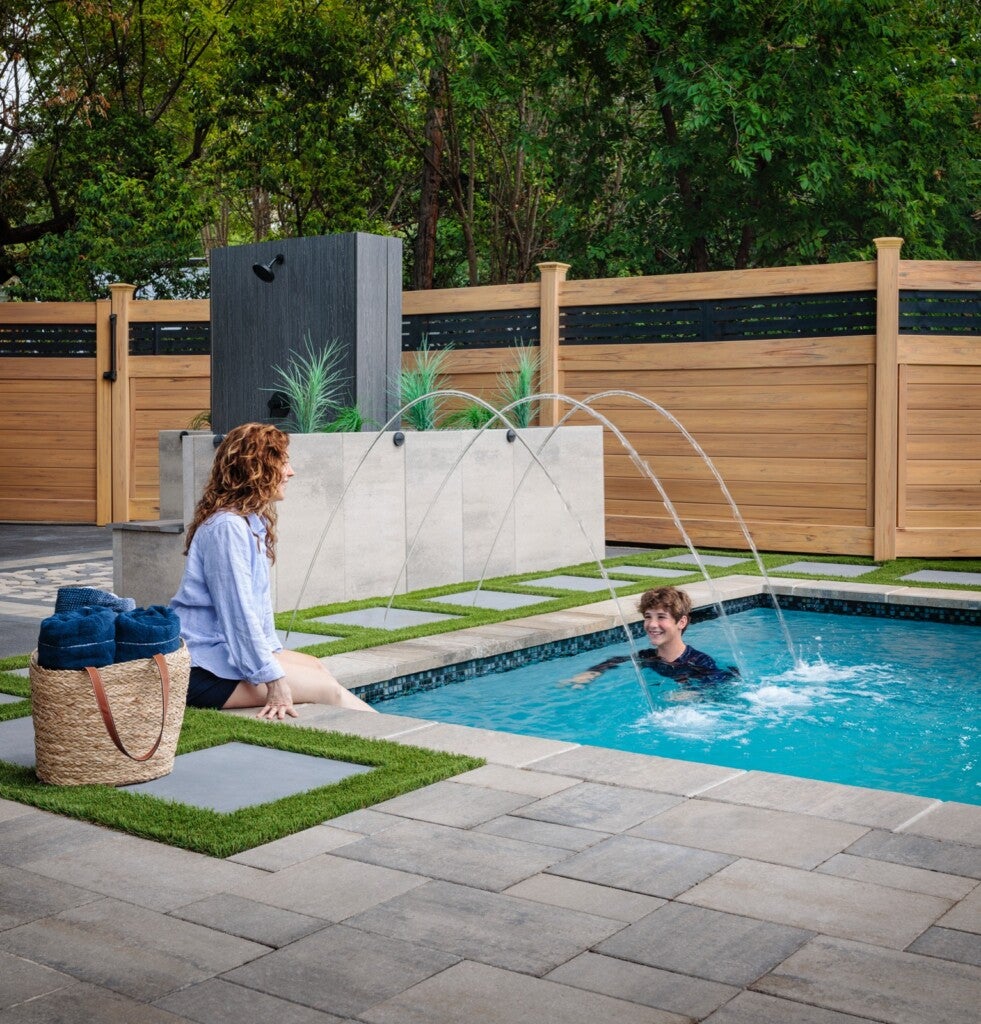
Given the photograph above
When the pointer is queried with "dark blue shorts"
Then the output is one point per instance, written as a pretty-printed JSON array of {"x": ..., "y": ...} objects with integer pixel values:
[{"x": 206, "y": 690}]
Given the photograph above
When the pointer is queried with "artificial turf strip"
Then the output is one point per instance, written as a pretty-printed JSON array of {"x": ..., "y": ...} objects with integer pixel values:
[
  {"x": 398, "y": 769},
  {"x": 355, "y": 638}
]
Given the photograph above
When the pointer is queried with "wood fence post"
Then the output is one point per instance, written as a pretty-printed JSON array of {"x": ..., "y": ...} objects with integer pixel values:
[
  {"x": 103, "y": 413},
  {"x": 886, "y": 453},
  {"x": 549, "y": 382},
  {"x": 120, "y": 296}
]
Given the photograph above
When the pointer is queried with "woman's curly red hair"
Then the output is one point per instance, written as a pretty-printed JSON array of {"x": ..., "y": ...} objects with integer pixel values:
[{"x": 245, "y": 476}]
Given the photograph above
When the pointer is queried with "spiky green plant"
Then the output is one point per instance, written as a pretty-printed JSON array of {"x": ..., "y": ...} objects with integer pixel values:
[
  {"x": 422, "y": 379},
  {"x": 470, "y": 417},
  {"x": 313, "y": 384},
  {"x": 349, "y": 420},
  {"x": 518, "y": 385}
]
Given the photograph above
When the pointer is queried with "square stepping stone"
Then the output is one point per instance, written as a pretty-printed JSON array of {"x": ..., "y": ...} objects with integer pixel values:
[
  {"x": 723, "y": 560},
  {"x": 494, "y": 599},
  {"x": 577, "y": 583},
  {"x": 234, "y": 775},
  {"x": 653, "y": 572},
  {"x": 297, "y": 639},
  {"x": 380, "y": 618},
  {"x": 17, "y": 741},
  {"x": 825, "y": 569},
  {"x": 938, "y": 576},
  {"x": 25, "y": 672},
  {"x": 10, "y": 698}
]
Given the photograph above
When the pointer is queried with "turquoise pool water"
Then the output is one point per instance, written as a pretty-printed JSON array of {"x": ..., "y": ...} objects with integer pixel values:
[{"x": 884, "y": 703}]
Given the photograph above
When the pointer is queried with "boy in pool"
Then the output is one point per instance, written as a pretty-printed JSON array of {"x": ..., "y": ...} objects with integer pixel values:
[{"x": 666, "y": 612}]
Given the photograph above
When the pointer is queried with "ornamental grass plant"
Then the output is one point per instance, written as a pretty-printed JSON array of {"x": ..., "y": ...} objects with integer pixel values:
[{"x": 313, "y": 384}]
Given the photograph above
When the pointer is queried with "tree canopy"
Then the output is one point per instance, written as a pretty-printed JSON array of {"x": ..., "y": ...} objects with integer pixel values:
[{"x": 621, "y": 136}]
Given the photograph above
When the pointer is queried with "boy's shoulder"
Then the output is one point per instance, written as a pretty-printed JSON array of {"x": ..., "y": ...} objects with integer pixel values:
[{"x": 700, "y": 659}]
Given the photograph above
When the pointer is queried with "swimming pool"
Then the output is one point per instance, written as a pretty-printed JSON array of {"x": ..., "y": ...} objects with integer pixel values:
[{"x": 878, "y": 702}]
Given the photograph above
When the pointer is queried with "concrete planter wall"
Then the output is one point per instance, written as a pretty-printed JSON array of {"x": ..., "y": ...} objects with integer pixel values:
[{"x": 435, "y": 510}]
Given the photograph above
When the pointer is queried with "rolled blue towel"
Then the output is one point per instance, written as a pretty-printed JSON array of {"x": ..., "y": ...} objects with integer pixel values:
[
  {"x": 144, "y": 632},
  {"x": 77, "y": 639},
  {"x": 70, "y": 598}
]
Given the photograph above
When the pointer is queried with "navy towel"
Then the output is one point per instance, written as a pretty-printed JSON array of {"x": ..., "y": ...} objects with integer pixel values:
[
  {"x": 144, "y": 632},
  {"x": 77, "y": 639},
  {"x": 70, "y": 598}
]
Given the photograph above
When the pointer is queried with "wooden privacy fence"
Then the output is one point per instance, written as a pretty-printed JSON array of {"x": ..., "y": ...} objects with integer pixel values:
[{"x": 841, "y": 403}]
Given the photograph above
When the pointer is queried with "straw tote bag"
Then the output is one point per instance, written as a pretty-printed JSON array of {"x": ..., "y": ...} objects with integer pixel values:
[{"x": 114, "y": 725}]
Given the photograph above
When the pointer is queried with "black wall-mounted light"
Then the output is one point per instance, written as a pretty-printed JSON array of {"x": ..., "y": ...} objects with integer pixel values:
[{"x": 264, "y": 271}]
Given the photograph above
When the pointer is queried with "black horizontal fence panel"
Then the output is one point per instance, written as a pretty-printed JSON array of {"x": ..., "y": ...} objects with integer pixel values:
[
  {"x": 922, "y": 312},
  {"x": 170, "y": 339},
  {"x": 48, "y": 340},
  {"x": 784, "y": 316},
  {"x": 499, "y": 328}
]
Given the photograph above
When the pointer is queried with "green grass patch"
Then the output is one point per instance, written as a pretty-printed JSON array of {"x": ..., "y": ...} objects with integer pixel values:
[{"x": 397, "y": 769}]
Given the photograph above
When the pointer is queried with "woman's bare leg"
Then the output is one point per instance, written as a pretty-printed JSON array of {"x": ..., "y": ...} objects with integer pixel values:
[{"x": 309, "y": 683}]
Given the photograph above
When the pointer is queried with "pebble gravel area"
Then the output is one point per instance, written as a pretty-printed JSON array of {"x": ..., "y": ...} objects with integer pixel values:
[{"x": 38, "y": 584}]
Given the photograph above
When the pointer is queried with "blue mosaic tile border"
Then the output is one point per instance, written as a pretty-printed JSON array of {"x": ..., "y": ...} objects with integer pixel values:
[{"x": 463, "y": 671}]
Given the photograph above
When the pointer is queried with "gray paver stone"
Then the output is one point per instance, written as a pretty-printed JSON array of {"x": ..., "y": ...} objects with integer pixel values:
[
  {"x": 899, "y": 876},
  {"x": 705, "y": 943},
  {"x": 329, "y": 887},
  {"x": 798, "y": 840},
  {"x": 516, "y": 780},
  {"x": 258, "y": 922},
  {"x": 218, "y": 1002},
  {"x": 87, "y": 1004},
  {"x": 453, "y": 803},
  {"x": 642, "y": 865},
  {"x": 822, "y": 903},
  {"x": 757, "y": 1008},
  {"x": 292, "y": 849},
  {"x": 920, "y": 852},
  {"x": 876, "y": 808},
  {"x": 21, "y": 980},
  {"x": 454, "y": 855},
  {"x": 573, "y": 894},
  {"x": 128, "y": 949},
  {"x": 342, "y": 970},
  {"x": 884, "y": 984},
  {"x": 469, "y": 993},
  {"x": 601, "y": 807},
  {"x": 639, "y": 771},
  {"x": 638, "y": 983},
  {"x": 491, "y": 928},
  {"x": 148, "y": 874},
  {"x": 955, "y": 821},
  {"x": 965, "y": 915},
  {"x": 25, "y": 896},
  {"x": 545, "y": 833},
  {"x": 948, "y": 944},
  {"x": 26, "y": 838}
]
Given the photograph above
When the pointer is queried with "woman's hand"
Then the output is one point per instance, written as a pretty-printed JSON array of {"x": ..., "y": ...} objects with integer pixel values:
[{"x": 279, "y": 702}]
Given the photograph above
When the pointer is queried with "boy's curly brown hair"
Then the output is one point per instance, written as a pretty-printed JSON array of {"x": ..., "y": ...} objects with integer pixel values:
[{"x": 674, "y": 601}]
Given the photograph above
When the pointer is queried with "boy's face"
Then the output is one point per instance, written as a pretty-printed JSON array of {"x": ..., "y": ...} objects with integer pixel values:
[{"x": 662, "y": 627}]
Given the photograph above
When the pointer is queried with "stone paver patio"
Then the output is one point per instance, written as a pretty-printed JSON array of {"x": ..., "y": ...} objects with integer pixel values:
[{"x": 558, "y": 883}]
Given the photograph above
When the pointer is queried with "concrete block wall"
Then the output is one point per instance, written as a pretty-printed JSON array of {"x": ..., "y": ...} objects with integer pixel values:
[{"x": 364, "y": 517}]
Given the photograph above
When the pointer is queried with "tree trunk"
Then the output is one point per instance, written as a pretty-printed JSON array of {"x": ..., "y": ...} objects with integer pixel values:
[{"x": 425, "y": 254}]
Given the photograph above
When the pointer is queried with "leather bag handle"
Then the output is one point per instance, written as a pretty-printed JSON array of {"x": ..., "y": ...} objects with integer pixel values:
[{"x": 106, "y": 711}]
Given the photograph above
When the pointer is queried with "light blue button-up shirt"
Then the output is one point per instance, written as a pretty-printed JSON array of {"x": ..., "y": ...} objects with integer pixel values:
[{"x": 224, "y": 602}]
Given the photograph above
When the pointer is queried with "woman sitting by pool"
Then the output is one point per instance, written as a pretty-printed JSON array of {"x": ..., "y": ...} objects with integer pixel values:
[
  {"x": 224, "y": 601},
  {"x": 666, "y": 612}
]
